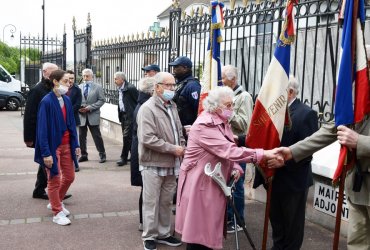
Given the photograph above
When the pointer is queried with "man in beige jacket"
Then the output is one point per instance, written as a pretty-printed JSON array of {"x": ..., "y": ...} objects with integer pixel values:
[
  {"x": 239, "y": 121},
  {"x": 161, "y": 147}
]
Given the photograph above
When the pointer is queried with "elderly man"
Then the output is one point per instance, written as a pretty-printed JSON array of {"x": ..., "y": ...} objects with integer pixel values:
[
  {"x": 161, "y": 147},
  {"x": 151, "y": 70},
  {"x": 357, "y": 185},
  {"x": 127, "y": 102},
  {"x": 29, "y": 123},
  {"x": 92, "y": 99},
  {"x": 239, "y": 121}
]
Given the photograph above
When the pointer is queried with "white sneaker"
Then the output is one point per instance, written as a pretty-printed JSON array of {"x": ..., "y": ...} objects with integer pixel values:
[
  {"x": 61, "y": 219},
  {"x": 65, "y": 211}
]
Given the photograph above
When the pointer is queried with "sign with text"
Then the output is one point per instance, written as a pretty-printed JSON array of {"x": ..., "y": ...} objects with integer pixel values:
[{"x": 326, "y": 199}]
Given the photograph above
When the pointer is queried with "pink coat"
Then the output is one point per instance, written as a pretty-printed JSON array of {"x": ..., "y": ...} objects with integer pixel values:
[{"x": 201, "y": 204}]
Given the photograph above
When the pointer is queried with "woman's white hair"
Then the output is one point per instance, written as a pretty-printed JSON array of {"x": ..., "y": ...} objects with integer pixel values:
[
  {"x": 215, "y": 96},
  {"x": 146, "y": 85}
]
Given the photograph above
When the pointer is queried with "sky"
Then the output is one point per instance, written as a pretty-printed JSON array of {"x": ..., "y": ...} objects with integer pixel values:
[{"x": 109, "y": 18}]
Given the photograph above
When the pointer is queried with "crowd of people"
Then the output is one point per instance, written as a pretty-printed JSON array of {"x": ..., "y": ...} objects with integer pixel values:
[{"x": 169, "y": 144}]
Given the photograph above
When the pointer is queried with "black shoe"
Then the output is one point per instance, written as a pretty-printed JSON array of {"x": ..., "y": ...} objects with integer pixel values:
[
  {"x": 121, "y": 163},
  {"x": 83, "y": 158},
  {"x": 43, "y": 196},
  {"x": 103, "y": 159},
  {"x": 77, "y": 169},
  {"x": 150, "y": 245},
  {"x": 67, "y": 196},
  {"x": 170, "y": 241}
]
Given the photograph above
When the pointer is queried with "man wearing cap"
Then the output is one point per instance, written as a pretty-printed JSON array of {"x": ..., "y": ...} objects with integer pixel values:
[
  {"x": 187, "y": 91},
  {"x": 151, "y": 70}
]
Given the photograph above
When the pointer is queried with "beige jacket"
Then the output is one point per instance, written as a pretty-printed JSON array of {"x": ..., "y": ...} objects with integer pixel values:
[
  {"x": 155, "y": 134},
  {"x": 328, "y": 134},
  {"x": 243, "y": 108}
]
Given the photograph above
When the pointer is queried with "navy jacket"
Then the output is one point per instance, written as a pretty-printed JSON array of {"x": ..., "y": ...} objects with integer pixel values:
[
  {"x": 187, "y": 99},
  {"x": 50, "y": 130},
  {"x": 136, "y": 179},
  {"x": 75, "y": 95},
  {"x": 296, "y": 176}
]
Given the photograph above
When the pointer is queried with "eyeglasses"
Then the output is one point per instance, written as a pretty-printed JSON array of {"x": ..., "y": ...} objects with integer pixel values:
[
  {"x": 168, "y": 85},
  {"x": 228, "y": 105}
]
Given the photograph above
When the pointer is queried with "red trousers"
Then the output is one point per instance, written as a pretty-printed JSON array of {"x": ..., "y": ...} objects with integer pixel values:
[{"x": 59, "y": 184}]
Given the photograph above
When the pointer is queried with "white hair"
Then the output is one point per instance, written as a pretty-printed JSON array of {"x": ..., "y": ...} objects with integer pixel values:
[
  {"x": 368, "y": 51},
  {"x": 49, "y": 65},
  {"x": 293, "y": 84},
  {"x": 230, "y": 72},
  {"x": 146, "y": 85},
  {"x": 215, "y": 96},
  {"x": 87, "y": 72},
  {"x": 160, "y": 76},
  {"x": 121, "y": 75}
]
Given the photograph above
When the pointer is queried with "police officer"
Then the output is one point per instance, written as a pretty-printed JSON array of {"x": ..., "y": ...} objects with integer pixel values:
[{"x": 187, "y": 90}]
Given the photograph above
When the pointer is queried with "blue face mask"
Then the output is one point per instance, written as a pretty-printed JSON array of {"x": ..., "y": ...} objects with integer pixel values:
[{"x": 168, "y": 94}]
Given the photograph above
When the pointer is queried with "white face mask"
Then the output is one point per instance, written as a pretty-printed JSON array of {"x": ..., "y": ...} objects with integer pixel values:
[{"x": 62, "y": 89}]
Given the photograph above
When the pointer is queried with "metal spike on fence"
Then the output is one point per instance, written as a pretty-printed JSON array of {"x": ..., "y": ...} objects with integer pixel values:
[
  {"x": 64, "y": 29},
  {"x": 175, "y": 4},
  {"x": 201, "y": 10},
  {"x": 192, "y": 12},
  {"x": 245, "y": 3},
  {"x": 142, "y": 35},
  {"x": 74, "y": 23},
  {"x": 183, "y": 15},
  {"x": 137, "y": 36},
  {"x": 232, "y": 4},
  {"x": 258, "y": 1},
  {"x": 153, "y": 34},
  {"x": 88, "y": 19}
]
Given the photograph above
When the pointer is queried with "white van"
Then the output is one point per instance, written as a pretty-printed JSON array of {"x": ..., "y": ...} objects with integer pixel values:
[{"x": 8, "y": 82}]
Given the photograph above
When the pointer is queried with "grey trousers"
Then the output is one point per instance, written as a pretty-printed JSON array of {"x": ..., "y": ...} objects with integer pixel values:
[
  {"x": 358, "y": 237},
  {"x": 157, "y": 200}
]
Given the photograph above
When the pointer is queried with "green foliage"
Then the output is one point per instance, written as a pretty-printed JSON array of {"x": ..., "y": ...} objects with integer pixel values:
[{"x": 10, "y": 57}]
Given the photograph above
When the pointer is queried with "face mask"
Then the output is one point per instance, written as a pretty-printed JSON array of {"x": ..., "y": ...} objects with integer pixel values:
[
  {"x": 226, "y": 114},
  {"x": 62, "y": 90},
  {"x": 168, "y": 94}
]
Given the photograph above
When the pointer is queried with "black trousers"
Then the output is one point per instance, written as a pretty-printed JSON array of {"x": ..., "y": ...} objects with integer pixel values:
[
  {"x": 192, "y": 246},
  {"x": 41, "y": 181},
  {"x": 126, "y": 124},
  {"x": 96, "y": 135},
  {"x": 287, "y": 217}
]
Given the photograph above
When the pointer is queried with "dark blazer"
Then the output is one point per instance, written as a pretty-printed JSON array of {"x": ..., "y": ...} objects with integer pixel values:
[
  {"x": 296, "y": 176},
  {"x": 34, "y": 98},
  {"x": 75, "y": 96},
  {"x": 130, "y": 95},
  {"x": 135, "y": 173}
]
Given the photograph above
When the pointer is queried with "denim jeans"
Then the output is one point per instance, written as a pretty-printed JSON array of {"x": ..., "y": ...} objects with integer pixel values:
[{"x": 238, "y": 197}]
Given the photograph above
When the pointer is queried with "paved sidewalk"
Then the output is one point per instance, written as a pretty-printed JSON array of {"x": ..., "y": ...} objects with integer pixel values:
[{"x": 104, "y": 206}]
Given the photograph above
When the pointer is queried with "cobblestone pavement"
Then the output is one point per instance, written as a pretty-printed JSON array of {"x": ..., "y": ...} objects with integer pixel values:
[{"x": 104, "y": 206}]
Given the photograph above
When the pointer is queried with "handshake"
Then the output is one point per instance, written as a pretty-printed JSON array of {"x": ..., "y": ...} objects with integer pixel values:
[{"x": 276, "y": 157}]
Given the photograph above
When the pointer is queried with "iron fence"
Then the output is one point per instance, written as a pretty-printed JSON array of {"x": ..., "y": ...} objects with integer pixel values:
[{"x": 249, "y": 41}]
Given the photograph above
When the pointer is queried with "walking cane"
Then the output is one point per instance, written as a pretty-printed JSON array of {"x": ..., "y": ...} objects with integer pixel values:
[{"x": 217, "y": 176}]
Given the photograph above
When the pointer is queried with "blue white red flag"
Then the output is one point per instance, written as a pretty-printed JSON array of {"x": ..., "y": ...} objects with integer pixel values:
[
  {"x": 269, "y": 115},
  {"x": 212, "y": 63},
  {"x": 352, "y": 93}
]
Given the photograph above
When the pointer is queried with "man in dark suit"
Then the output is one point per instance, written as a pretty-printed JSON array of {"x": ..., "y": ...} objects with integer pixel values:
[
  {"x": 29, "y": 123},
  {"x": 74, "y": 93},
  {"x": 290, "y": 184},
  {"x": 127, "y": 101},
  {"x": 92, "y": 99}
]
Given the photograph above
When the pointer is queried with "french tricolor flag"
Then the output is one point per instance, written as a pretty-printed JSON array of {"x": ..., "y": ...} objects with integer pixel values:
[
  {"x": 352, "y": 93},
  {"x": 212, "y": 63},
  {"x": 270, "y": 112}
]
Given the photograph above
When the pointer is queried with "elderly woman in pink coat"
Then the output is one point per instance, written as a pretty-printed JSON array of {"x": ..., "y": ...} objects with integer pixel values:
[{"x": 201, "y": 203}]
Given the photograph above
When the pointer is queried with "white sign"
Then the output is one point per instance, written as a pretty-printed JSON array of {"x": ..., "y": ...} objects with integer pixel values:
[{"x": 326, "y": 199}]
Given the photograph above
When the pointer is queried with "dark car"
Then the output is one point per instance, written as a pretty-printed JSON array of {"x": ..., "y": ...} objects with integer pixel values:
[{"x": 10, "y": 100}]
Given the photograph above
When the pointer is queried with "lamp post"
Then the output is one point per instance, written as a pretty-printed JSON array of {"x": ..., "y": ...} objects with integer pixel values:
[{"x": 12, "y": 30}]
